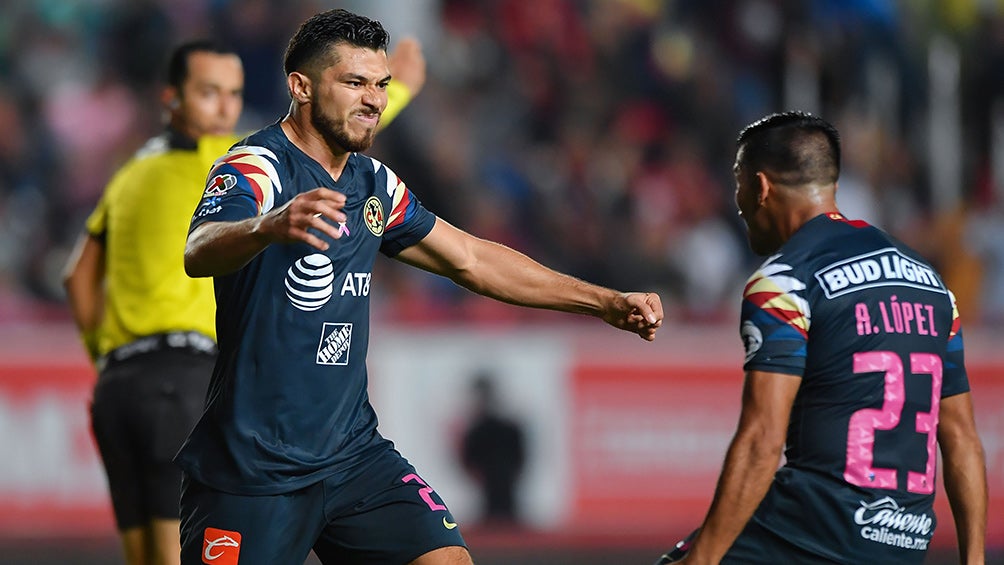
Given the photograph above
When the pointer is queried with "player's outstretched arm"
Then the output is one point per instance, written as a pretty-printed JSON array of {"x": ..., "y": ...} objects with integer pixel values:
[
  {"x": 496, "y": 271},
  {"x": 219, "y": 248},
  {"x": 965, "y": 475},
  {"x": 750, "y": 463}
]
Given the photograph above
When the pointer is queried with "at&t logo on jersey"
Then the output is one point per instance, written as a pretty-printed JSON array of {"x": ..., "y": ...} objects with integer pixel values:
[
  {"x": 309, "y": 282},
  {"x": 885, "y": 267},
  {"x": 221, "y": 547},
  {"x": 886, "y": 522},
  {"x": 336, "y": 340}
]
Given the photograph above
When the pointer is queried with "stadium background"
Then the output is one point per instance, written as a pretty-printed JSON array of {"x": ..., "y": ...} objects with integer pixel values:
[{"x": 596, "y": 136}]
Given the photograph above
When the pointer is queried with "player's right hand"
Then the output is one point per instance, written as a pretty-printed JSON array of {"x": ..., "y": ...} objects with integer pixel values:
[{"x": 306, "y": 215}]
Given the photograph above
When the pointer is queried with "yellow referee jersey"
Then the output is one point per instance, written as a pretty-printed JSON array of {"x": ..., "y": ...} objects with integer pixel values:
[{"x": 143, "y": 218}]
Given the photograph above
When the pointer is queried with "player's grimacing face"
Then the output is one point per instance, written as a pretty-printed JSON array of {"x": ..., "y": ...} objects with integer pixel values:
[
  {"x": 350, "y": 96},
  {"x": 212, "y": 96}
]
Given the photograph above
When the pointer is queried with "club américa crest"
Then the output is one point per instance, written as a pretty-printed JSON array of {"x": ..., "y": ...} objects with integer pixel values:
[{"x": 373, "y": 216}]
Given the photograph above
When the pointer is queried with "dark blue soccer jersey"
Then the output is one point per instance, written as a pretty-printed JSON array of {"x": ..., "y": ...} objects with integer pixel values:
[
  {"x": 874, "y": 335},
  {"x": 288, "y": 404}
]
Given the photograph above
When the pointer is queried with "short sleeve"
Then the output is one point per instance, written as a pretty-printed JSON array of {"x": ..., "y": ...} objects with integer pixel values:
[{"x": 775, "y": 320}]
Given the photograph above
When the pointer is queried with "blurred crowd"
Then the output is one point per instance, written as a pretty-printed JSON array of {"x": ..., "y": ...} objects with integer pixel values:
[{"x": 596, "y": 136}]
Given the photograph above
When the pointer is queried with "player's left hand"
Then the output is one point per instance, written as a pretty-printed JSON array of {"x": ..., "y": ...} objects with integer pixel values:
[{"x": 638, "y": 312}]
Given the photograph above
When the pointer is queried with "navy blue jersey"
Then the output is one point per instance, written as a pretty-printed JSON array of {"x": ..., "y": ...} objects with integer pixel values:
[
  {"x": 874, "y": 334},
  {"x": 288, "y": 405}
]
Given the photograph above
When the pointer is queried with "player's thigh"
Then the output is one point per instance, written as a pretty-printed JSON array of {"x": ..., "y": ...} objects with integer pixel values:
[
  {"x": 165, "y": 545},
  {"x": 218, "y": 527},
  {"x": 445, "y": 556},
  {"x": 388, "y": 515}
]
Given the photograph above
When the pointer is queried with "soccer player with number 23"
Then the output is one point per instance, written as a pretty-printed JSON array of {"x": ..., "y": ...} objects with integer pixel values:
[{"x": 854, "y": 367}]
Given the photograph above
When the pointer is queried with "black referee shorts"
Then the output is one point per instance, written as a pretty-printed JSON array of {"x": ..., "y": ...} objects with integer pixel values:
[{"x": 143, "y": 409}]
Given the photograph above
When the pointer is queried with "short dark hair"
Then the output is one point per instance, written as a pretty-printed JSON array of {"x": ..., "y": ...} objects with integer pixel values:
[
  {"x": 177, "y": 63},
  {"x": 792, "y": 147},
  {"x": 315, "y": 37}
]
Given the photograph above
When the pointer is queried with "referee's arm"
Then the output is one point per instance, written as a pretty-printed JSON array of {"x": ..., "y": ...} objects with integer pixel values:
[{"x": 84, "y": 279}]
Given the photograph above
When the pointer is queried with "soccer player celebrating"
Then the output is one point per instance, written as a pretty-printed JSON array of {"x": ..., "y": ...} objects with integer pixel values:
[
  {"x": 148, "y": 326},
  {"x": 287, "y": 457},
  {"x": 854, "y": 366}
]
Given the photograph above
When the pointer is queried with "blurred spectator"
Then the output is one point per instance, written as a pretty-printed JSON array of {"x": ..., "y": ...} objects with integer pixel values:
[
  {"x": 493, "y": 452},
  {"x": 582, "y": 132}
]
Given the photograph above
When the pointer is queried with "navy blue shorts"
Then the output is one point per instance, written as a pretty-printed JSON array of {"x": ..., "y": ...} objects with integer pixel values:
[
  {"x": 756, "y": 544},
  {"x": 385, "y": 514},
  {"x": 143, "y": 409}
]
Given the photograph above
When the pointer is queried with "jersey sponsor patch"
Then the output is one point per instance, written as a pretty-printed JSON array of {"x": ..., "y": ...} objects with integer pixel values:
[
  {"x": 221, "y": 547},
  {"x": 336, "y": 340},
  {"x": 885, "y": 521},
  {"x": 885, "y": 267},
  {"x": 220, "y": 185},
  {"x": 309, "y": 282}
]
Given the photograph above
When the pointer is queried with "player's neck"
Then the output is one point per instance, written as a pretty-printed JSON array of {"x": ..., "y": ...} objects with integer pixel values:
[{"x": 310, "y": 141}]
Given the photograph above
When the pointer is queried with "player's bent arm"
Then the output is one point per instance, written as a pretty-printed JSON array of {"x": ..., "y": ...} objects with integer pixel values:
[
  {"x": 83, "y": 280},
  {"x": 496, "y": 271},
  {"x": 750, "y": 463},
  {"x": 964, "y": 475},
  {"x": 219, "y": 248}
]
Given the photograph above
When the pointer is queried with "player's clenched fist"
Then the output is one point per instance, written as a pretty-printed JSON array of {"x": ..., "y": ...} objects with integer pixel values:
[
  {"x": 319, "y": 209},
  {"x": 638, "y": 312}
]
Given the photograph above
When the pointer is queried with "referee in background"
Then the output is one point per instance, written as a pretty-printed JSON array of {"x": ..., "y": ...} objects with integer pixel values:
[{"x": 150, "y": 328}]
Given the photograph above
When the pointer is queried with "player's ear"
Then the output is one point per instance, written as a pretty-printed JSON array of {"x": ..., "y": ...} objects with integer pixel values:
[
  {"x": 300, "y": 87},
  {"x": 170, "y": 98},
  {"x": 763, "y": 187}
]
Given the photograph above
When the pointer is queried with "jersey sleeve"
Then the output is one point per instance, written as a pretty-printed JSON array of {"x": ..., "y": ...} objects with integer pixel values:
[
  {"x": 241, "y": 184},
  {"x": 955, "y": 379},
  {"x": 398, "y": 96},
  {"x": 97, "y": 223},
  {"x": 408, "y": 222},
  {"x": 775, "y": 320}
]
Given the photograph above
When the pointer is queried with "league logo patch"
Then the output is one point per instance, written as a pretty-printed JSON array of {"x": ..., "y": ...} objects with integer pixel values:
[
  {"x": 220, "y": 185},
  {"x": 309, "y": 282},
  {"x": 373, "y": 215},
  {"x": 335, "y": 342},
  {"x": 752, "y": 338},
  {"x": 221, "y": 547}
]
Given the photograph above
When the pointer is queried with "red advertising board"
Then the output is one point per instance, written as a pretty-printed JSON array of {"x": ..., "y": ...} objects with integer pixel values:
[
  {"x": 646, "y": 432},
  {"x": 51, "y": 483}
]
